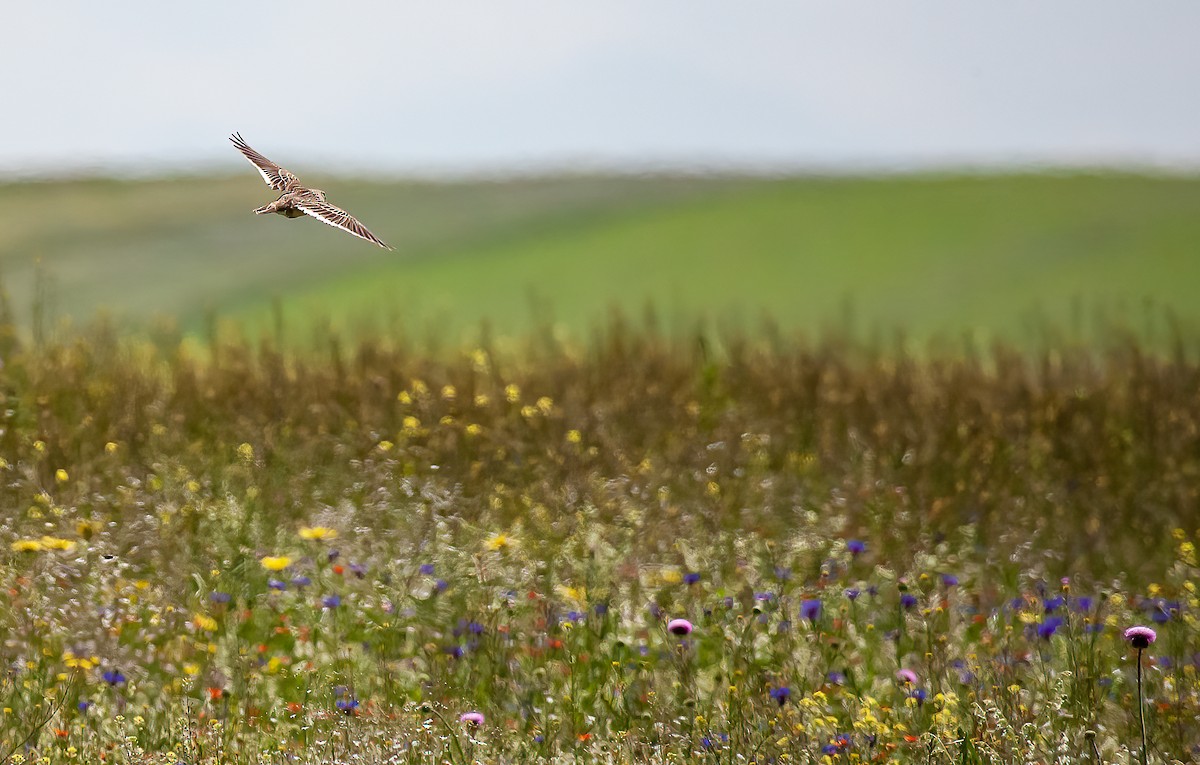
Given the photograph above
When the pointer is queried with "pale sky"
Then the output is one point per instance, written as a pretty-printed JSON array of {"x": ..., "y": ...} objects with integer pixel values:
[{"x": 502, "y": 85}]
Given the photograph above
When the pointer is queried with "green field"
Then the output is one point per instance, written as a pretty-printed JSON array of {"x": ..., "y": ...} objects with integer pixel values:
[{"x": 925, "y": 253}]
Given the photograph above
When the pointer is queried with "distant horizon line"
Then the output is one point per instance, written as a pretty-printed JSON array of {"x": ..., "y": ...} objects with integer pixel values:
[{"x": 550, "y": 168}]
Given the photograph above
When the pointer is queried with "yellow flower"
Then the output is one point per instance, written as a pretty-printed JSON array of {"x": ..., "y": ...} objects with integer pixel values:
[
  {"x": 245, "y": 452},
  {"x": 577, "y": 594},
  {"x": 497, "y": 542},
  {"x": 204, "y": 622},
  {"x": 26, "y": 545},
  {"x": 473, "y": 429},
  {"x": 545, "y": 405},
  {"x": 276, "y": 562},
  {"x": 54, "y": 543},
  {"x": 319, "y": 533},
  {"x": 448, "y": 392},
  {"x": 403, "y": 397},
  {"x": 482, "y": 399},
  {"x": 671, "y": 576},
  {"x": 385, "y": 446},
  {"x": 574, "y": 436},
  {"x": 512, "y": 393},
  {"x": 191, "y": 670},
  {"x": 61, "y": 476},
  {"x": 110, "y": 447}
]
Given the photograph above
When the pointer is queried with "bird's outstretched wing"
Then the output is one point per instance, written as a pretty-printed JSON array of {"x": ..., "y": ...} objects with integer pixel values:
[
  {"x": 275, "y": 176},
  {"x": 338, "y": 218}
]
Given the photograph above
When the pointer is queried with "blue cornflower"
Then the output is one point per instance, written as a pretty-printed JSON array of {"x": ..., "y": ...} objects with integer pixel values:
[
  {"x": 1053, "y": 604},
  {"x": 783, "y": 573},
  {"x": 908, "y": 600},
  {"x": 853, "y": 593},
  {"x": 475, "y": 628},
  {"x": 830, "y": 749},
  {"x": 919, "y": 695},
  {"x": 836, "y": 678},
  {"x": 426, "y": 569},
  {"x": 781, "y": 694},
  {"x": 600, "y": 608},
  {"x": 441, "y": 585},
  {"x": 691, "y": 578},
  {"x": 574, "y": 617},
  {"x": 84, "y": 705},
  {"x": 764, "y": 596},
  {"x": 114, "y": 677},
  {"x": 810, "y": 609},
  {"x": 1082, "y": 604},
  {"x": 333, "y": 555},
  {"x": 331, "y": 601},
  {"x": 347, "y": 706},
  {"x": 358, "y": 569},
  {"x": 1049, "y": 626},
  {"x": 220, "y": 597},
  {"x": 276, "y": 584},
  {"x": 949, "y": 580},
  {"x": 856, "y": 546},
  {"x": 301, "y": 581}
]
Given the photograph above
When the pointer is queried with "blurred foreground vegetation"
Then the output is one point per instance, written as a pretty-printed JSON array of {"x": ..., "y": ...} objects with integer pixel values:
[{"x": 233, "y": 553}]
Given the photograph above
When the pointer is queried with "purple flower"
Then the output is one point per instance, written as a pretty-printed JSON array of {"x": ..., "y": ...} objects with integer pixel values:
[
  {"x": 276, "y": 584},
  {"x": 836, "y": 678},
  {"x": 220, "y": 597},
  {"x": 691, "y": 578},
  {"x": 1140, "y": 637},
  {"x": 1053, "y": 604},
  {"x": 810, "y": 609},
  {"x": 331, "y": 601},
  {"x": 333, "y": 555},
  {"x": 781, "y": 694},
  {"x": 600, "y": 608},
  {"x": 919, "y": 695},
  {"x": 84, "y": 705},
  {"x": 783, "y": 573},
  {"x": 426, "y": 569},
  {"x": 655, "y": 610},
  {"x": 301, "y": 581},
  {"x": 358, "y": 569},
  {"x": 908, "y": 600},
  {"x": 114, "y": 677},
  {"x": 853, "y": 593},
  {"x": 949, "y": 580},
  {"x": 1082, "y": 604},
  {"x": 679, "y": 627},
  {"x": 906, "y": 676},
  {"x": 441, "y": 585},
  {"x": 1049, "y": 626},
  {"x": 471, "y": 718},
  {"x": 856, "y": 546},
  {"x": 347, "y": 706}
]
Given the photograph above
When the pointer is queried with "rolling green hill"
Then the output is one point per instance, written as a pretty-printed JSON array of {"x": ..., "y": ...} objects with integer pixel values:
[{"x": 932, "y": 254}]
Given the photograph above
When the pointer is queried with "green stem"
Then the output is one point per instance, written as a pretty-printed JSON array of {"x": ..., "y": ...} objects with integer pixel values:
[{"x": 1141, "y": 705}]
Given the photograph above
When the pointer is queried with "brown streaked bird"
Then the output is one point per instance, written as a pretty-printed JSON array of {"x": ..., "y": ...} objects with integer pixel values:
[{"x": 297, "y": 199}]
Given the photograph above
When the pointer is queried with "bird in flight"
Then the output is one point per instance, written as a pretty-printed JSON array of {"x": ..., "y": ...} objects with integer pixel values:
[{"x": 297, "y": 199}]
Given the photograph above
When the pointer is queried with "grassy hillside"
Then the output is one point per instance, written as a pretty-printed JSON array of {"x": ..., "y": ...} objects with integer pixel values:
[{"x": 933, "y": 254}]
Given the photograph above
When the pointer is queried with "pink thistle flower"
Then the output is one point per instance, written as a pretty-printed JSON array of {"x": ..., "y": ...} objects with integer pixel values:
[
  {"x": 1140, "y": 637},
  {"x": 679, "y": 627},
  {"x": 471, "y": 718},
  {"x": 906, "y": 676}
]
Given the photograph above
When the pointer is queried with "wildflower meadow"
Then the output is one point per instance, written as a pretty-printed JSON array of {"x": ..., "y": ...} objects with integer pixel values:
[{"x": 640, "y": 548}]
